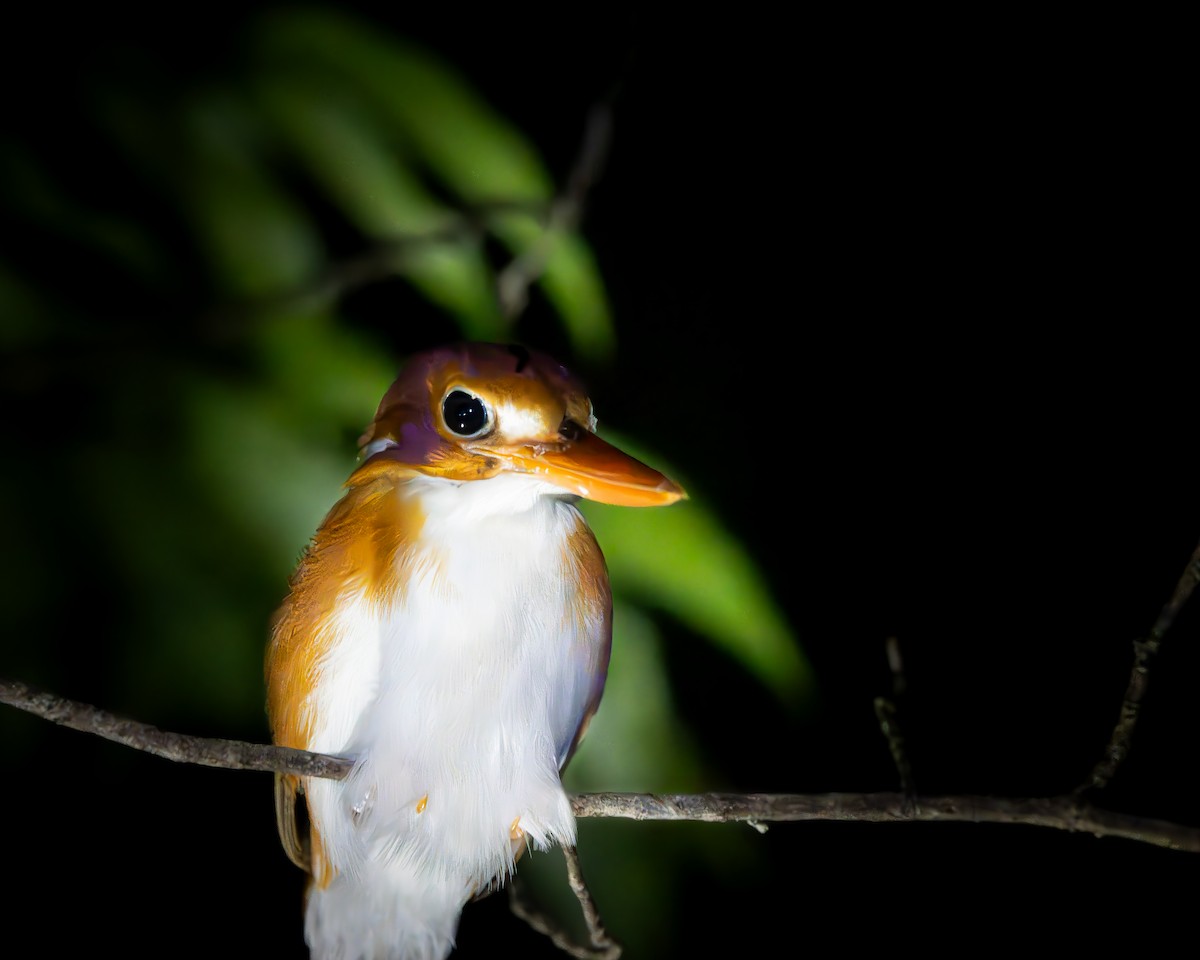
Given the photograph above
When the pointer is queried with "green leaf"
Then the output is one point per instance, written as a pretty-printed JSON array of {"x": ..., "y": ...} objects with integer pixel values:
[
  {"x": 27, "y": 316},
  {"x": 401, "y": 112},
  {"x": 572, "y": 282},
  {"x": 367, "y": 178},
  {"x": 258, "y": 240},
  {"x": 682, "y": 560},
  {"x": 28, "y": 188},
  {"x": 570, "y": 278},
  {"x": 321, "y": 374},
  {"x": 450, "y": 127},
  {"x": 635, "y": 741},
  {"x": 259, "y": 469},
  {"x": 365, "y": 172},
  {"x": 348, "y": 154},
  {"x": 457, "y": 278}
]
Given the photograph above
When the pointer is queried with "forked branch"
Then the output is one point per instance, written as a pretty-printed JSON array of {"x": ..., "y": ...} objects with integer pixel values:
[{"x": 1070, "y": 813}]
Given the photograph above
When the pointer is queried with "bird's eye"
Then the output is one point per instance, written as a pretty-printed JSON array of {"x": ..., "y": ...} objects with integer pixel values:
[
  {"x": 570, "y": 430},
  {"x": 465, "y": 414}
]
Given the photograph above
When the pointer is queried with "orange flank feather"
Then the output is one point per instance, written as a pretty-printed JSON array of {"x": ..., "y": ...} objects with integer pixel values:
[{"x": 357, "y": 549}]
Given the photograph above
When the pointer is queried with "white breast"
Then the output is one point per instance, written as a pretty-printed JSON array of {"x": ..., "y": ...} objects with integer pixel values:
[{"x": 464, "y": 691}]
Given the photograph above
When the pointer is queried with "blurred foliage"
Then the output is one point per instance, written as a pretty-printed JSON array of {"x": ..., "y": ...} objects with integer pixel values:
[{"x": 186, "y": 380}]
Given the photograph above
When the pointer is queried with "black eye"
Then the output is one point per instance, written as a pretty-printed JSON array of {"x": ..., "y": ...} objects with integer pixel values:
[
  {"x": 465, "y": 414},
  {"x": 569, "y": 429}
]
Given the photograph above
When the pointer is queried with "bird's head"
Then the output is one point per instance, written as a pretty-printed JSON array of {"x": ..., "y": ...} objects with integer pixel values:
[{"x": 473, "y": 411}]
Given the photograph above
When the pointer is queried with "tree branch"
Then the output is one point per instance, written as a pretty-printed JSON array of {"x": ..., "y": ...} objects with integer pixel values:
[
  {"x": 514, "y": 281},
  {"x": 205, "y": 751},
  {"x": 1144, "y": 650},
  {"x": 1060, "y": 813},
  {"x": 1070, "y": 813},
  {"x": 887, "y": 712}
]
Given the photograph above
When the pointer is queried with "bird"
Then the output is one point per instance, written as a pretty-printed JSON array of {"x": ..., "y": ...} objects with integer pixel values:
[{"x": 448, "y": 630}]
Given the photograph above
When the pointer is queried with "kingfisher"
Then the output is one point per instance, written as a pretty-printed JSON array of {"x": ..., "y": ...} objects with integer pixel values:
[{"x": 448, "y": 629}]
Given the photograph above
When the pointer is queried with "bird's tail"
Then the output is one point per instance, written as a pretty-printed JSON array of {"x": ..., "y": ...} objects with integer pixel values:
[{"x": 387, "y": 913}]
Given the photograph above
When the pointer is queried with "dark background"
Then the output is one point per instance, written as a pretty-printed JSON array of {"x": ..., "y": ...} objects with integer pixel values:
[{"x": 912, "y": 301}]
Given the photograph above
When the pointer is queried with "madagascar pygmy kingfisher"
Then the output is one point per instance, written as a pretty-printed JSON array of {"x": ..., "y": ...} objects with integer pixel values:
[{"x": 448, "y": 628}]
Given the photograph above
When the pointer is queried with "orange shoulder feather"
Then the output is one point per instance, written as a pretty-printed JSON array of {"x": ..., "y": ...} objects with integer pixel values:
[{"x": 358, "y": 549}]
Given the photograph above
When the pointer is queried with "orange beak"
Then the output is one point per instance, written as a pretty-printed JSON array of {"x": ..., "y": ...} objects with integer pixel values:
[{"x": 596, "y": 470}]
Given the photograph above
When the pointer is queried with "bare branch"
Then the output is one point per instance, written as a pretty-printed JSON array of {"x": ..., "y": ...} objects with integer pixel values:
[
  {"x": 390, "y": 257},
  {"x": 1069, "y": 813},
  {"x": 467, "y": 224},
  {"x": 1183, "y": 590},
  {"x": 603, "y": 947},
  {"x": 1144, "y": 650},
  {"x": 514, "y": 281},
  {"x": 1060, "y": 813},
  {"x": 887, "y": 712},
  {"x": 387, "y": 258},
  {"x": 205, "y": 751}
]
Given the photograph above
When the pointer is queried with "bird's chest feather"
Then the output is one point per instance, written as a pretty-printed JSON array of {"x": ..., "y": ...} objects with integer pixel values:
[
  {"x": 459, "y": 683},
  {"x": 490, "y": 634}
]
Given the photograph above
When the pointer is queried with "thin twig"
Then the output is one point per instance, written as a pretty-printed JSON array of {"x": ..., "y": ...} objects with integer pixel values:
[
  {"x": 1144, "y": 650},
  {"x": 233, "y": 321},
  {"x": 566, "y": 213},
  {"x": 603, "y": 946},
  {"x": 386, "y": 258},
  {"x": 560, "y": 216},
  {"x": 887, "y": 712}
]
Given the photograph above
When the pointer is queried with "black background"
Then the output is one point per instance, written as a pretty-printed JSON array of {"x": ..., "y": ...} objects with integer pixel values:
[{"x": 912, "y": 301}]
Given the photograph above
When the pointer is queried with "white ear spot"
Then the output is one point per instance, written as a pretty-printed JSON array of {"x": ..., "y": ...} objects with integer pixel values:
[
  {"x": 520, "y": 423},
  {"x": 375, "y": 446}
]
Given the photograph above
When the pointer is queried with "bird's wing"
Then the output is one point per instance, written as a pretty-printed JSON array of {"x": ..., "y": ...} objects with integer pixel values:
[
  {"x": 353, "y": 553},
  {"x": 594, "y": 613}
]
